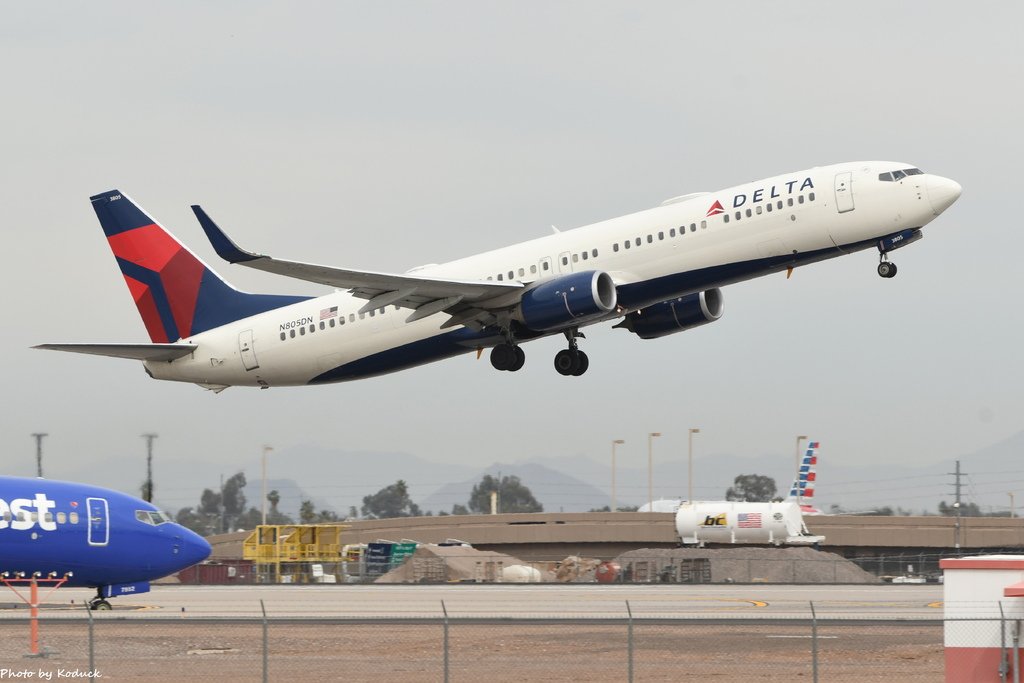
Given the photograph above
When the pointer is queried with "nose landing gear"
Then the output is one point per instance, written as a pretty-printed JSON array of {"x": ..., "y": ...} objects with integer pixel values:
[
  {"x": 886, "y": 268},
  {"x": 572, "y": 361},
  {"x": 99, "y": 603}
]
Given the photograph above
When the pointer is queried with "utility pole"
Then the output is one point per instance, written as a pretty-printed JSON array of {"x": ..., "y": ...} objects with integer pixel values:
[
  {"x": 956, "y": 507},
  {"x": 39, "y": 452},
  {"x": 147, "y": 489}
]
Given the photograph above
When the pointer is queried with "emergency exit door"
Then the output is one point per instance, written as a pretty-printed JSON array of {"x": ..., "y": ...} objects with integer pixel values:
[
  {"x": 99, "y": 521},
  {"x": 246, "y": 351}
]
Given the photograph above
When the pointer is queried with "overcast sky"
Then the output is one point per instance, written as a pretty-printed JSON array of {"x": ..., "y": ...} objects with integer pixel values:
[{"x": 385, "y": 135}]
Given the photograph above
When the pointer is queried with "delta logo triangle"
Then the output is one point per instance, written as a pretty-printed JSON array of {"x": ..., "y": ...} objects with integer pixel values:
[{"x": 715, "y": 209}]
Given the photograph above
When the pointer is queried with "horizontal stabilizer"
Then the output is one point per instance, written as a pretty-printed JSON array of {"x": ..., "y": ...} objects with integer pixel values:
[{"x": 156, "y": 352}]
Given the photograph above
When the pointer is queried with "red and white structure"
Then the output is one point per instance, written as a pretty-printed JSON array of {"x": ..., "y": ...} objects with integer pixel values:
[{"x": 984, "y": 612}]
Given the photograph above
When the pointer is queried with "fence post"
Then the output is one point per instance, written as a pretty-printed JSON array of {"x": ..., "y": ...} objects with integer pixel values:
[
  {"x": 1004, "y": 663},
  {"x": 629, "y": 642},
  {"x": 1016, "y": 651},
  {"x": 92, "y": 652},
  {"x": 266, "y": 671},
  {"x": 814, "y": 643},
  {"x": 446, "y": 670}
]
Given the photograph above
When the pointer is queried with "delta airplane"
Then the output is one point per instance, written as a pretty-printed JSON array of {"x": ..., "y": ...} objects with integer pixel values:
[
  {"x": 656, "y": 272},
  {"x": 95, "y": 537}
]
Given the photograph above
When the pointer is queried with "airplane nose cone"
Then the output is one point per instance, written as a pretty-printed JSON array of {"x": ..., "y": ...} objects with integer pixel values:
[
  {"x": 942, "y": 192},
  {"x": 194, "y": 549}
]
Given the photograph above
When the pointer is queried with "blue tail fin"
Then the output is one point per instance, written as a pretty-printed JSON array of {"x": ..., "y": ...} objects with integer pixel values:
[{"x": 176, "y": 293}]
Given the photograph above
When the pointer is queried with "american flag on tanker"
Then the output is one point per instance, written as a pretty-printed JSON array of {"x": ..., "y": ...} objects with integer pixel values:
[
  {"x": 749, "y": 520},
  {"x": 331, "y": 312}
]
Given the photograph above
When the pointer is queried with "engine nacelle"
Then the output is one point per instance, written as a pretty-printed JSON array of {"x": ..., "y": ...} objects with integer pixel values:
[
  {"x": 675, "y": 315},
  {"x": 568, "y": 300}
]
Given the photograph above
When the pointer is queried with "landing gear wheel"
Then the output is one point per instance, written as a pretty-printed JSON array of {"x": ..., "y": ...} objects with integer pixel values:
[
  {"x": 99, "y": 604},
  {"x": 519, "y": 359},
  {"x": 887, "y": 269},
  {"x": 582, "y": 363},
  {"x": 567, "y": 362},
  {"x": 502, "y": 356}
]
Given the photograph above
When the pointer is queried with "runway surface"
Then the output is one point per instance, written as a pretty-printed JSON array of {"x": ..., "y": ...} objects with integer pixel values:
[{"x": 511, "y": 601}]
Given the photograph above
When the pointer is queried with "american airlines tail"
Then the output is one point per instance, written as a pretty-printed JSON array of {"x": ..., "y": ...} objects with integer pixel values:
[
  {"x": 176, "y": 293},
  {"x": 802, "y": 491}
]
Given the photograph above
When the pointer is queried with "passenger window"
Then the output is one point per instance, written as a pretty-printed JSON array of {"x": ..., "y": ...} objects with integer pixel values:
[
  {"x": 672, "y": 232},
  {"x": 585, "y": 256},
  {"x": 779, "y": 205},
  {"x": 373, "y": 312},
  {"x": 291, "y": 334},
  {"x": 593, "y": 252},
  {"x": 693, "y": 227},
  {"x": 661, "y": 235},
  {"x": 501, "y": 278},
  {"x": 362, "y": 316},
  {"x": 351, "y": 317},
  {"x": 545, "y": 265},
  {"x": 703, "y": 224},
  {"x": 73, "y": 516},
  {"x": 810, "y": 197},
  {"x": 312, "y": 328},
  {"x": 749, "y": 213},
  {"x": 511, "y": 275},
  {"x": 323, "y": 325},
  {"x": 759, "y": 210},
  {"x": 575, "y": 258},
  {"x": 725, "y": 218},
  {"x": 800, "y": 199},
  {"x": 650, "y": 239},
  {"x": 615, "y": 247},
  {"x": 341, "y": 320},
  {"x": 565, "y": 260},
  {"x": 627, "y": 244},
  {"x": 282, "y": 336},
  {"x": 62, "y": 518},
  {"x": 522, "y": 272},
  {"x": 302, "y": 331},
  {"x": 533, "y": 270},
  {"x": 769, "y": 207},
  {"x": 638, "y": 240},
  {"x": 790, "y": 201},
  {"x": 739, "y": 215},
  {"x": 332, "y": 322}
]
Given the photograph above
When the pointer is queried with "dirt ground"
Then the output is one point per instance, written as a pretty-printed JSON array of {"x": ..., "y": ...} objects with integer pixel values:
[{"x": 197, "y": 650}]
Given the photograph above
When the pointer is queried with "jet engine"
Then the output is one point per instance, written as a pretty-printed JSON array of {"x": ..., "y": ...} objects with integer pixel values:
[
  {"x": 568, "y": 300},
  {"x": 675, "y": 315}
]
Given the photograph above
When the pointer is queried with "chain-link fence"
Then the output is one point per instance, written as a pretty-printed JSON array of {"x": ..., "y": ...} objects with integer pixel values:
[{"x": 442, "y": 648}]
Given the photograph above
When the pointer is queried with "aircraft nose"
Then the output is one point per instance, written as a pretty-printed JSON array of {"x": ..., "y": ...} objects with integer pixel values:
[
  {"x": 942, "y": 192},
  {"x": 193, "y": 550}
]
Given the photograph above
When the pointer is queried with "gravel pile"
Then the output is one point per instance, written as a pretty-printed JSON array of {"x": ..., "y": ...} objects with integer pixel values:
[{"x": 739, "y": 565}]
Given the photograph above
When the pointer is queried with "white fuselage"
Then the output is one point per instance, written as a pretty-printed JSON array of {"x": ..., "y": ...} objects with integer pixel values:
[{"x": 811, "y": 218}]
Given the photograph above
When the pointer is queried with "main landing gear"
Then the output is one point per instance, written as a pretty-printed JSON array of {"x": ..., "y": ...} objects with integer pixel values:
[
  {"x": 510, "y": 357},
  {"x": 572, "y": 361},
  {"x": 886, "y": 268}
]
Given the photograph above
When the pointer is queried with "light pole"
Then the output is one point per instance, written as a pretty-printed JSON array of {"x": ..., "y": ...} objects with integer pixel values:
[
  {"x": 263, "y": 498},
  {"x": 39, "y": 452},
  {"x": 148, "y": 489},
  {"x": 689, "y": 466},
  {"x": 800, "y": 438},
  {"x": 615, "y": 443},
  {"x": 650, "y": 470},
  {"x": 1010, "y": 494}
]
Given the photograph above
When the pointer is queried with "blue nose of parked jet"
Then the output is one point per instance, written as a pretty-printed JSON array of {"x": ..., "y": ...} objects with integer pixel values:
[
  {"x": 942, "y": 192},
  {"x": 193, "y": 549}
]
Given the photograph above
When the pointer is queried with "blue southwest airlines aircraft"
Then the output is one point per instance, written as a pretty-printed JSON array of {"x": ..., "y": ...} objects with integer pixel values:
[
  {"x": 656, "y": 272},
  {"x": 96, "y": 537}
]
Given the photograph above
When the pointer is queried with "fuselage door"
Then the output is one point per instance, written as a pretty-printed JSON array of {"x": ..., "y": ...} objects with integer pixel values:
[
  {"x": 844, "y": 192},
  {"x": 99, "y": 521},
  {"x": 245, "y": 349},
  {"x": 565, "y": 262}
]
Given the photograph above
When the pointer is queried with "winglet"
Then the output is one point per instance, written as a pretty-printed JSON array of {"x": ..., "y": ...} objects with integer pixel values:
[{"x": 225, "y": 248}]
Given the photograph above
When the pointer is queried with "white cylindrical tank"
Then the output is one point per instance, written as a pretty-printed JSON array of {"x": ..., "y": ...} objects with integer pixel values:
[{"x": 733, "y": 522}]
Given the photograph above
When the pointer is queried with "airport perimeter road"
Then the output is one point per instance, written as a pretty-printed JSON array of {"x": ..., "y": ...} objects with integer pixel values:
[{"x": 548, "y": 601}]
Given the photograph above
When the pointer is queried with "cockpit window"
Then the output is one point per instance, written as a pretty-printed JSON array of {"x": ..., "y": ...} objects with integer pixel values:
[
  {"x": 899, "y": 175},
  {"x": 152, "y": 517}
]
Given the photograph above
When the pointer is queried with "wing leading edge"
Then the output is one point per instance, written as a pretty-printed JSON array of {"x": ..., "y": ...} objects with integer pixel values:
[{"x": 466, "y": 301}]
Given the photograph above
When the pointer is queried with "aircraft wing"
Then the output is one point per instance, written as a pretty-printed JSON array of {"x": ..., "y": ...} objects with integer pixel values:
[
  {"x": 156, "y": 352},
  {"x": 465, "y": 300}
]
